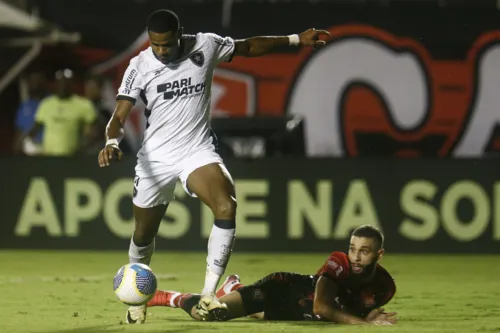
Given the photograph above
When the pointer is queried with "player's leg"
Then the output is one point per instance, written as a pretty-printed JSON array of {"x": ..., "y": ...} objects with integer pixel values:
[
  {"x": 255, "y": 299},
  {"x": 275, "y": 297},
  {"x": 142, "y": 246},
  {"x": 151, "y": 196},
  {"x": 233, "y": 283},
  {"x": 226, "y": 295},
  {"x": 147, "y": 222},
  {"x": 204, "y": 175},
  {"x": 248, "y": 301},
  {"x": 189, "y": 303},
  {"x": 213, "y": 185},
  {"x": 241, "y": 301}
]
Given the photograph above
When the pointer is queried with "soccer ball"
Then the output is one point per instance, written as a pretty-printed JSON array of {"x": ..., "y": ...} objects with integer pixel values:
[{"x": 134, "y": 284}]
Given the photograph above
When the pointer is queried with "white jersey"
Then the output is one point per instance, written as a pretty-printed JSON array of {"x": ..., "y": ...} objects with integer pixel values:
[{"x": 177, "y": 96}]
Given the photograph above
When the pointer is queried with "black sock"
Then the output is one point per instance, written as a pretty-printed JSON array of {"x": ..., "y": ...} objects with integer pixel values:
[
  {"x": 225, "y": 224},
  {"x": 189, "y": 303}
]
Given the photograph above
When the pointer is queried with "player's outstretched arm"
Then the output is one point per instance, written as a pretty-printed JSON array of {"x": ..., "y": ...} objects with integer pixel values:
[
  {"x": 257, "y": 46},
  {"x": 324, "y": 308},
  {"x": 114, "y": 133}
]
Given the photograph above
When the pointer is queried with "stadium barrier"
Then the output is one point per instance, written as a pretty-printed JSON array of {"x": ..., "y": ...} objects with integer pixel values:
[{"x": 423, "y": 206}]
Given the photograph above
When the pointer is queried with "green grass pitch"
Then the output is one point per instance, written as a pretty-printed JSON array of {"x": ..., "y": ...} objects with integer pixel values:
[{"x": 71, "y": 292}]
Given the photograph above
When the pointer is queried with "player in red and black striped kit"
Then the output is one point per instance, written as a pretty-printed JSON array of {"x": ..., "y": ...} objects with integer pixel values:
[{"x": 349, "y": 289}]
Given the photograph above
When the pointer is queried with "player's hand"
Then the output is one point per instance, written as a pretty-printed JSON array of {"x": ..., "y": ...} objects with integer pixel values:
[
  {"x": 311, "y": 37},
  {"x": 109, "y": 153},
  {"x": 378, "y": 316}
]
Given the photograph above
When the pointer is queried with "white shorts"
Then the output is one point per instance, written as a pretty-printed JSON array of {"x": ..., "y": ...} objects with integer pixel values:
[{"x": 154, "y": 182}]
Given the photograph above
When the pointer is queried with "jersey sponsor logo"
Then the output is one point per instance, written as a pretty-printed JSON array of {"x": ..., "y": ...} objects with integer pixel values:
[
  {"x": 129, "y": 81},
  {"x": 197, "y": 58},
  {"x": 180, "y": 88}
]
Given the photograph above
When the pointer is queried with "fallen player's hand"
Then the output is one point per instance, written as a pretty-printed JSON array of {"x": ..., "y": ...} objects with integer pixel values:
[
  {"x": 379, "y": 315},
  {"x": 310, "y": 37},
  {"x": 107, "y": 154}
]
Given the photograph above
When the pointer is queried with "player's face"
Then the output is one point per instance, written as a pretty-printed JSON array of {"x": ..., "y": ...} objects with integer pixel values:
[
  {"x": 64, "y": 87},
  {"x": 363, "y": 254},
  {"x": 165, "y": 45}
]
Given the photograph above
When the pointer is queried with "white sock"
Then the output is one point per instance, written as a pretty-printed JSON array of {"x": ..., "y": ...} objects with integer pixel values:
[
  {"x": 142, "y": 254},
  {"x": 211, "y": 281},
  {"x": 220, "y": 246}
]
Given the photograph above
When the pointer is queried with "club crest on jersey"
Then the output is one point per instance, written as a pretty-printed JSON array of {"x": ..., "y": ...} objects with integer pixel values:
[{"x": 197, "y": 58}]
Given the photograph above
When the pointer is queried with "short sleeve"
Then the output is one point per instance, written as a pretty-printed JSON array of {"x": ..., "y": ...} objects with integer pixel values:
[
  {"x": 223, "y": 47},
  {"x": 89, "y": 113},
  {"x": 132, "y": 83},
  {"x": 41, "y": 112},
  {"x": 336, "y": 267}
]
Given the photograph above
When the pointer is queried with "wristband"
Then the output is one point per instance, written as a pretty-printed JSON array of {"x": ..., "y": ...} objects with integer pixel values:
[
  {"x": 113, "y": 142},
  {"x": 293, "y": 40}
]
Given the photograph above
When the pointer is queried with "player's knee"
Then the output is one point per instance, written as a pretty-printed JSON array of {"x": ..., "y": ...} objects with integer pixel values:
[{"x": 225, "y": 208}]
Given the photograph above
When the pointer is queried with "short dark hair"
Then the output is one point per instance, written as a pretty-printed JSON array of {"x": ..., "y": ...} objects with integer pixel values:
[
  {"x": 369, "y": 231},
  {"x": 163, "y": 20}
]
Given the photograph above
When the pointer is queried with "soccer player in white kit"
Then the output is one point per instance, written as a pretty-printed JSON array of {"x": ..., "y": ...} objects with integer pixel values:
[{"x": 173, "y": 77}]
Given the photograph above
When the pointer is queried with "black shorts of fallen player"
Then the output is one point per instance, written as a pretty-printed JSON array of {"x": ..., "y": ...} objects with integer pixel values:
[{"x": 281, "y": 296}]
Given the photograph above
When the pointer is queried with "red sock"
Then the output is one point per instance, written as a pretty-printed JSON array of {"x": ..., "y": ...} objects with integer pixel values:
[
  {"x": 172, "y": 299},
  {"x": 236, "y": 287}
]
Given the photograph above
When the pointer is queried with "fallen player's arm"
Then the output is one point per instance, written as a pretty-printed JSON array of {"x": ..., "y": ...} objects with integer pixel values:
[
  {"x": 324, "y": 304},
  {"x": 257, "y": 46}
]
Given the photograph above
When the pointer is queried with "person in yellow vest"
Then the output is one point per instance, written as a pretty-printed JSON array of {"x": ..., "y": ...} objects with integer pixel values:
[{"x": 68, "y": 120}]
